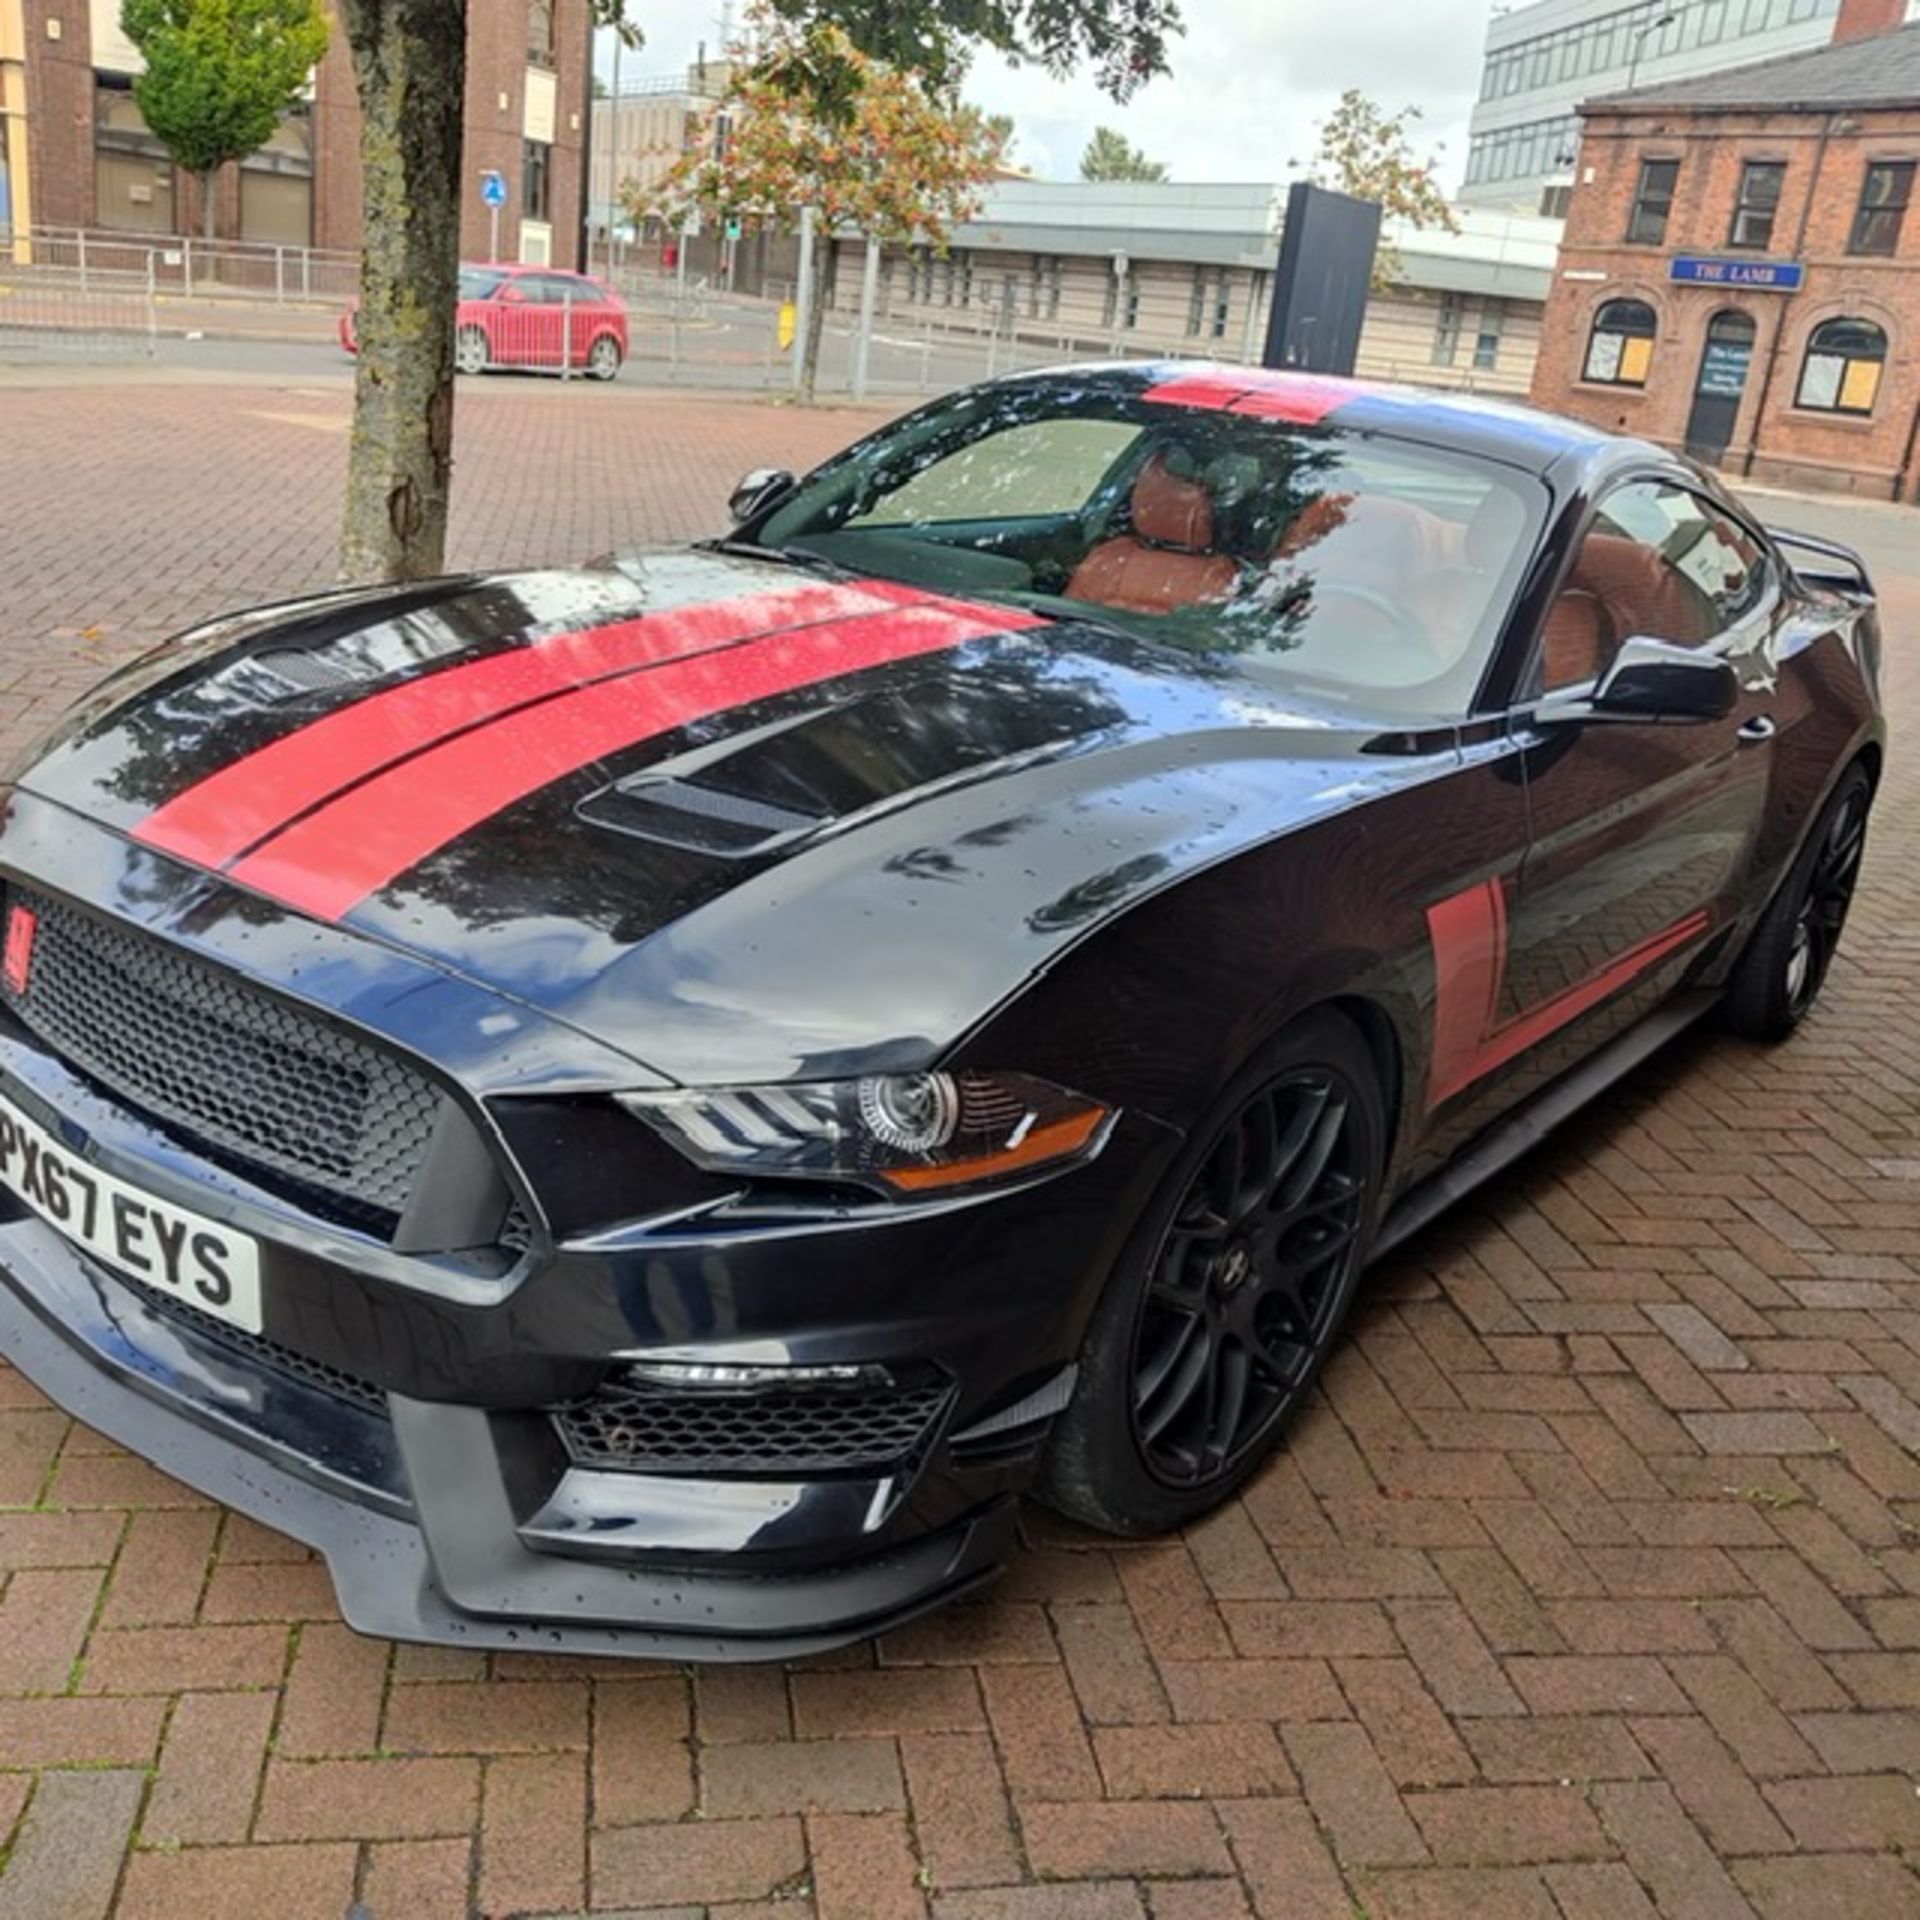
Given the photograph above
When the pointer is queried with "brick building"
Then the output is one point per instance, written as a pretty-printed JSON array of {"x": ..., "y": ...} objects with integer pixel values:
[
  {"x": 1739, "y": 276},
  {"x": 82, "y": 157}
]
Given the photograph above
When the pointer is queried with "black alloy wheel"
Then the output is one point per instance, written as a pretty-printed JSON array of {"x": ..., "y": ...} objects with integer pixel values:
[
  {"x": 1231, "y": 1291},
  {"x": 1779, "y": 977},
  {"x": 1248, "y": 1278}
]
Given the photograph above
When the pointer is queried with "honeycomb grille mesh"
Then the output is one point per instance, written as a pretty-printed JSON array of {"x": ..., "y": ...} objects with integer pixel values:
[
  {"x": 776, "y": 1431},
  {"x": 257, "y": 1082},
  {"x": 257, "y": 1349}
]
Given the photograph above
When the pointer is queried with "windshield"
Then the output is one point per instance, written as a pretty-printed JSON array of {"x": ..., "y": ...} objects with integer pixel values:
[
  {"x": 1374, "y": 569},
  {"x": 479, "y": 283}
]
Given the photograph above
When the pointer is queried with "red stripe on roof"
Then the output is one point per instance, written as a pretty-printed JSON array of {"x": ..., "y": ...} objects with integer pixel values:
[
  {"x": 219, "y": 818},
  {"x": 328, "y": 862},
  {"x": 1303, "y": 399}
]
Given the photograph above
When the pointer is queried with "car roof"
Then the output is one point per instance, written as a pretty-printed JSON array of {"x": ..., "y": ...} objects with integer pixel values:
[{"x": 1468, "y": 422}]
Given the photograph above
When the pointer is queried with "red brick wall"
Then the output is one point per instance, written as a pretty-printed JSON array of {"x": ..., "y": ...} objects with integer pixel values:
[
  {"x": 60, "y": 109},
  {"x": 1825, "y": 166},
  {"x": 1861, "y": 19}
]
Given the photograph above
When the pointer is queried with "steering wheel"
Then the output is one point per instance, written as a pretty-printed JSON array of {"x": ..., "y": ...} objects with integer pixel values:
[{"x": 1405, "y": 626}]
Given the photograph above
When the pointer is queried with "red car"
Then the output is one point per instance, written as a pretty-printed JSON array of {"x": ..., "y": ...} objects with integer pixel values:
[{"x": 519, "y": 316}]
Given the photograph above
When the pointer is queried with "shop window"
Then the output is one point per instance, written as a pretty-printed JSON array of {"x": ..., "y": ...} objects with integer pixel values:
[
  {"x": 1882, "y": 212},
  {"x": 1757, "y": 204},
  {"x": 1841, "y": 373},
  {"x": 1620, "y": 348},
  {"x": 1652, "y": 203},
  {"x": 276, "y": 184}
]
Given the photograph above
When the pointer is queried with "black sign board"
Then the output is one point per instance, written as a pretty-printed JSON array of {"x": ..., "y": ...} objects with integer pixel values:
[{"x": 1320, "y": 291}]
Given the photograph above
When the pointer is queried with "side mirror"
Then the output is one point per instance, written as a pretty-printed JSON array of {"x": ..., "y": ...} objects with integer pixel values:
[
  {"x": 1654, "y": 680},
  {"x": 757, "y": 491}
]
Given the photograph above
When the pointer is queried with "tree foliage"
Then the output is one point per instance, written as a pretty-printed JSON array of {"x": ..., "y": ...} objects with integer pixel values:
[
  {"x": 887, "y": 160},
  {"x": 219, "y": 74},
  {"x": 400, "y": 459},
  {"x": 1110, "y": 155},
  {"x": 1369, "y": 153}
]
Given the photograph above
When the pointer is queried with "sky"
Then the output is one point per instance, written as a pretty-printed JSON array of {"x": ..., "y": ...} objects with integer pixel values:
[{"x": 1249, "y": 81}]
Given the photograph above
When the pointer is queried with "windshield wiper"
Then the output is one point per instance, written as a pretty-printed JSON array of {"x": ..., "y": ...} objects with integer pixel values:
[{"x": 784, "y": 556}]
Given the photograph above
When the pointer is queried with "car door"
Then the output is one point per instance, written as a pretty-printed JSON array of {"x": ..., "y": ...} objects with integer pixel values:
[{"x": 1640, "y": 831}]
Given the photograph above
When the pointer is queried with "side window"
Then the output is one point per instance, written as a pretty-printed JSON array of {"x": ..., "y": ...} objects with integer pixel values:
[{"x": 1657, "y": 563}]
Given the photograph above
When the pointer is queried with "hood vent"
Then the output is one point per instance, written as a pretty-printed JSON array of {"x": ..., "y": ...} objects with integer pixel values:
[
  {"x": 291, "y": 673},
  {"x": 700, "y": 819}
]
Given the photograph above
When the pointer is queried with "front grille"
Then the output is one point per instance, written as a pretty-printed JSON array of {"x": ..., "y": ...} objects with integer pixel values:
[
  {"x": 258, "y": 1083},
  {"x": 774, "y": 1431},
  {"x": 257, "y": 1349}
]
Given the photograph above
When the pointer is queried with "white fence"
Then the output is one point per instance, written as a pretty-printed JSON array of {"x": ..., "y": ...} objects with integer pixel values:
[{"x": 180, "y": 265}]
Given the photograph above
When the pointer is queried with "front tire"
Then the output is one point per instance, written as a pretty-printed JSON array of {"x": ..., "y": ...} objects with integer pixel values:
[
  {"x": 1231, "y": 1291},
  {"x": 472, "y": 352},
  {"x": 1778, "y": 978}
]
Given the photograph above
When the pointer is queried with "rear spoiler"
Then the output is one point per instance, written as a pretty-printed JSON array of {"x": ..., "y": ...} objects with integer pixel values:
[{"x": 1841, "y": 568}]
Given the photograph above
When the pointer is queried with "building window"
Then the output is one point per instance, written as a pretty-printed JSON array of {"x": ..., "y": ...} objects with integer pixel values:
[
  {"x": 1883, "y": 207},
  {"x": 276, "y": 183},
  {"x": 536, "y": 187},
  {"x": 1647, "y": 225},
  {"x": 540, "y": 33},
  {"x": 1207, "y": 303},
  {"x": 1446, "y": 331},
  {"x": 1842, "y": 370},
  {"x": 1486, "y": 343},
  {"x": 1046, "y": 286},
  {"x": 1620, "y": 348},
  {"x": 1756, "y": 204}
]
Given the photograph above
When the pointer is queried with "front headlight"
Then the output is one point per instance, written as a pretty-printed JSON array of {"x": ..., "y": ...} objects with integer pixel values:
[{"x": 906, "y": 1133}]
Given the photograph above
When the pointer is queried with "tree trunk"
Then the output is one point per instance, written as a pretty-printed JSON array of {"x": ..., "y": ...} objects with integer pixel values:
[
  {"x": 825, "y": 256},
  {"x": 207, "y": 222},
  {"x": 410, "y": 63}
]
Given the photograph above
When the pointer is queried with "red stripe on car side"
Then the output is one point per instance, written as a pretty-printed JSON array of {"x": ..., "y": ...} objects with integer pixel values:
[
  {"x": 220, "y": 817},
  {"x": 329, "y": 861},
  {"x": 1469, "y": 935}
]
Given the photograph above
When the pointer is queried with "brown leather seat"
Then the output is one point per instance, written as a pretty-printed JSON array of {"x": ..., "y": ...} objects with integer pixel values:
[
  {"x": 1167, "y": 559},
  {"x": 1642, "y": 593}
]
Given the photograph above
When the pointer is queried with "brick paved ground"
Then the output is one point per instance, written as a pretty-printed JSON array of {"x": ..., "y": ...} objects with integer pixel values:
[{"x": 1589, "y": 1590}]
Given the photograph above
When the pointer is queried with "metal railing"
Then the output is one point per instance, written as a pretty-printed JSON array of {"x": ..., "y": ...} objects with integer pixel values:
[{"x": 179, "y": 264}]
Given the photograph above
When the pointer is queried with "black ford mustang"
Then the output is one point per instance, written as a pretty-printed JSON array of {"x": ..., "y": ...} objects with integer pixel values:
[{"x": 637, "y": 1109}]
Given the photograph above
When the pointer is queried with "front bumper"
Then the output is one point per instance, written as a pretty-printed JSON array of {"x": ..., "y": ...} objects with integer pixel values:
[{"x": 413, "y": 1511}]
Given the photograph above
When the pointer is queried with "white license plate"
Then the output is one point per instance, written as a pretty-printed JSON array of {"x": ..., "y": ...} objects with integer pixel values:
[{"x": 196, "y": 1260}]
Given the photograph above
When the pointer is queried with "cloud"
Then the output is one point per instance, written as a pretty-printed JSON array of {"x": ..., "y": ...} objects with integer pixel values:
[{"x": 1250, "y": 79}]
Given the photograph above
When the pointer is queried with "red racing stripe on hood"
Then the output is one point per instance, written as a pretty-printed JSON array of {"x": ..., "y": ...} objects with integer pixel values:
[
  {"x": 328, "y": 862},
  {"x": 217, "y": 819}
]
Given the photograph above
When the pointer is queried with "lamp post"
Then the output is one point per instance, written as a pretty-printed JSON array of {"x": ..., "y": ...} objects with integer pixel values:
[{"x": 1640, "y": 40}]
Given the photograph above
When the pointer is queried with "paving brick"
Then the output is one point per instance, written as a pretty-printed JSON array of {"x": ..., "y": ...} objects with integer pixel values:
[
  {"x": 1821, "y": 1886},
  {"x": 1096, "y": 1840},
  {"x": 864, "y": 1867},
  {"x": 1550, "y": 1747},
  {"x": 1221, "y": 1690},
  {"x": 1076, "y": 1900},
  {"x": 960, "y": 1810},
  {"x": 1414, "y": 1739},
  {"x": 1665, "y": 1850},
  {"x": 66, "y": 1862},
  {"x": 1580, "y": 1683},
  {"x": 1113, "y": 1674},
  {"x": 501, "y": 1717},
  {"x": 162, "y": 1568},
  {"x": 1353, "y": 1797},
  {"x": 176, "y": 1659},
  {"x": 1862, "y": 1813},
  {"x": 642, "y": 1761},
  {"x": 209, "y": 1769},
  {"x": 895, "y": 1700},
  {"x": 1191, "y": 1762},
  {"x": 1289, "y": 1629},
  {"x": 1507, "y": 1826},
  {"x": 742, "y": 1703},
  {"x": 1043, "y": 1746},
  {"x": 1286, "y": 1862},
  {"x": 331, "y": 1703},
  {"x": 533, "y": 1833},
  {"x": 1446, "y": 1893},
  {"x": 386, "y": 1799},
  {"x": 44, "y": 1617},
  {"x": 854, "y": 1775},
  {"x": 1604, "y": 1890},
  {"x": 1712, "y": 1786},
  {"x": 709, "y": 1860},
  {"x": 58, "y": 1539},
  {"x": 240, "y": 1883},
  {"x": 419, "y": 1879}
]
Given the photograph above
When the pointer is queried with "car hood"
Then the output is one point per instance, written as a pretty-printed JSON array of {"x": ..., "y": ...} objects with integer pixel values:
[{"x": 734, "y": 819}]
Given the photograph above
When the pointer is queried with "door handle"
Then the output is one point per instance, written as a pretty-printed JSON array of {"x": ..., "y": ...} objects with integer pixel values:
[{"x": 1761, "y": 727}]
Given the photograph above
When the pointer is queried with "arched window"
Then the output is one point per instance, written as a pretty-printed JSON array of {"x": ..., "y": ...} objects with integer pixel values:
[
  {"x": 1841, "y": 373},
  {"x": 1620, "y": 348},
  {"x": 540, "y": 33}
]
